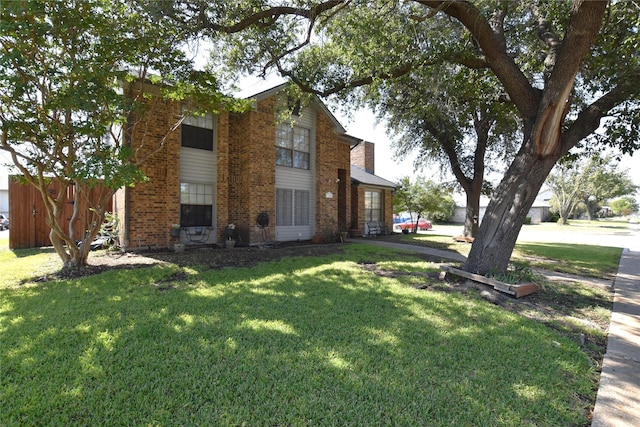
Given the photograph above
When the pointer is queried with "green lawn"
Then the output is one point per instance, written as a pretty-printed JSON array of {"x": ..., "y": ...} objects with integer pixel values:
[
  {"x": 302, "y": 341},
  {"x": 578, "y": 259}
]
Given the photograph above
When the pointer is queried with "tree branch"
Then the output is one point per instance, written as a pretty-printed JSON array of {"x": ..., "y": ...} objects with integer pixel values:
[
  {"x": 400, "y": 71},
  {"x": 549, "y": 38},
  {"x": 271, "y": 14},
  {"x": 589, "y": 118},
  {"x": 493, "y": 45}
]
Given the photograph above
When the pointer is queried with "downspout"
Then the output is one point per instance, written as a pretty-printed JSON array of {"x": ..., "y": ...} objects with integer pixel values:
[{"x": 125, "y": 222}]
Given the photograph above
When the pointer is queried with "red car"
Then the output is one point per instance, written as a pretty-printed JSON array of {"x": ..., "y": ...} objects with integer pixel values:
[{"x": 423, "y": 224}]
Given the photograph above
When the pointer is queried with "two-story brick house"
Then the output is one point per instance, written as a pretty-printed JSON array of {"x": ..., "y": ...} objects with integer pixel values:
[{"x": 229, "y": 168}]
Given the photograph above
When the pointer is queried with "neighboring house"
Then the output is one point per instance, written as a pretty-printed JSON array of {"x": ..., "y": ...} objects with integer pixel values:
[
  {"x": 229, "y": 168},
  {"x": 539, "y": 211}
]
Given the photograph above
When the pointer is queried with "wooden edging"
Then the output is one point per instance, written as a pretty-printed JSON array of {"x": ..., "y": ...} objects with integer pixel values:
[{"x": 507, "y": 288}]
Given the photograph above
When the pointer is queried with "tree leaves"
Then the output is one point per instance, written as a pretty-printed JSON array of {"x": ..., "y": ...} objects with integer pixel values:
[{"x": 72, "y": 74}]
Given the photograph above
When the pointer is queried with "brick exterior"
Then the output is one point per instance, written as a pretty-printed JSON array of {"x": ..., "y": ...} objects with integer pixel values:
[
  {"x": 252, "y": 170},
  {"x": 245, "y": 149},
  {"x": 332, "y": 154},
  {"x": 358, "y": 213},
  {"x": 363, "y": 156},
  {"x": 148, "y": 210},
  {"x": 387, "y": 208}
]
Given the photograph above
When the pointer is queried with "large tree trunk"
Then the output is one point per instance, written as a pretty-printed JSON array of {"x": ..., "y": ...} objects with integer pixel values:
[
  {"x": 62, "y": 229},
  {"x": 543, "y": 143},
  {"x": 591, "y": 206},
  {"x": 473, "y": 188},
  {"x": 503, "y": 219}
]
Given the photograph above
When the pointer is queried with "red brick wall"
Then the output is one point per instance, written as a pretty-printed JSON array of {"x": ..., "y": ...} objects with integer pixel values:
[
  {"x": 252, "y": 170},
  {"x": 223, "y": 187},
  {"x": 154, "y": 206},
  {"x": 363, "y": 156},
  {"x": 331, "y": 155},
  {"x": 358, "y": 219},
  {"x": 387, "y": 208},
  {"x": 245, "y": 148}
]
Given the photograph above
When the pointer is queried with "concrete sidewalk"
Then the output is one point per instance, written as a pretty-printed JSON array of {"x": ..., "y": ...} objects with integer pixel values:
[{"x": 618, "y": 398}]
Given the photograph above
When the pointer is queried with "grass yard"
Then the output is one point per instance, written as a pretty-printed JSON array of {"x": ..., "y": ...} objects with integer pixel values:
[
  {"x": 581, "y": 260},
  {"x": 577, "y": 259},
  {"x": 297, "y": 341}
]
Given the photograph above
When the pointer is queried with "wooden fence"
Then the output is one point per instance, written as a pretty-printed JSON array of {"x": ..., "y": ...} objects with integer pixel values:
[{"x": 28, "y": 214}]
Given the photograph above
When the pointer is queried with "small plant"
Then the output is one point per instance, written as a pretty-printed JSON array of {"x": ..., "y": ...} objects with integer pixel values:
[
  {"x": 517, "y": 272},
  {"x": 109, "y": 232}
]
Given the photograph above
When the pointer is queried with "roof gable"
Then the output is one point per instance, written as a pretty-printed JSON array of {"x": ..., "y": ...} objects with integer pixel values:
[{"x": 339, "y": 129}]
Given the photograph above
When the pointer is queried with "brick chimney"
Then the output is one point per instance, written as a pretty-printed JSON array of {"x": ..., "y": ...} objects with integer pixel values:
[{"x": 363, "y": 156}]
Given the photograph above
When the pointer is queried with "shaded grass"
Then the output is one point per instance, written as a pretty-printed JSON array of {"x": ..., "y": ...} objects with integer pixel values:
[
  {"x": 301, "y": 341},
  {"x": 432, "y": 240}
]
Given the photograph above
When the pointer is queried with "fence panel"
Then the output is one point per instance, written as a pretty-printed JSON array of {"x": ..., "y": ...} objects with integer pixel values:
[{"x": 28, "y": 214}]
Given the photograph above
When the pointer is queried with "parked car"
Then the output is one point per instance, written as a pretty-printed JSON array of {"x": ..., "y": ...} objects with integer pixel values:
[
  {"x": 4, "y": 222},
  {"x": 410, "y": 225}
]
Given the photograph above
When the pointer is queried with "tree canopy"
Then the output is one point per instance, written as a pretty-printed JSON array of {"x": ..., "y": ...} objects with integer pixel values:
[
  {"x": 624, "y": 205},
  {"x": 72, "y": 88},
  {"x": 422, "y": 198},
  {"x": 587, "y": 181},
  {"x": 466, "y": 127}
]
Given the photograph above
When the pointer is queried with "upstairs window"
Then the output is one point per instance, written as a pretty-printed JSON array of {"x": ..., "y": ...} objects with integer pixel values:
[
  {"x": 195, "y": 137},
  {"x": 293, "y": 145},
  {"x": 197, "y": 132}
]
